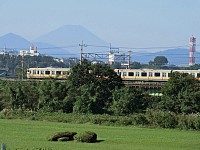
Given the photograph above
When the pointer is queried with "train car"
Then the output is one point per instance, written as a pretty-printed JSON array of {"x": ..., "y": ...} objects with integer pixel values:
[
  {"x": 151, "y": 74},
  {"x": 44, "y": 73},
  {"x": 125, "y": 74}
]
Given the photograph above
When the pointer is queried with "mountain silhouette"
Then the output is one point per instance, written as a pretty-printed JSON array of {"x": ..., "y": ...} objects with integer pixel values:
[
  {"x": 70, "y": 36},
  {"x": 179, "y": 56},
  {"x": 14, "y": 41}
]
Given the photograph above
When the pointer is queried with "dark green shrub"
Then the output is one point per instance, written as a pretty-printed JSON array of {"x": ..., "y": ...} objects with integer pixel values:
[
  {"x": 69, "y": 135},
  {"x": 139, "y": 119},
  {"x": 197, "y": 123},
  {"x": 88, "y": 137},
  {"x": 161, "y": 119},
  {"x": 191, "y": 121},
  {"x": 124, "y": 121}
]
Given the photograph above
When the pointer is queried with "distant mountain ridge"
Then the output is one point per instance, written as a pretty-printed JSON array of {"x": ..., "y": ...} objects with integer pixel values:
[
  {"x": 64, "y": 42},
  {"x": 14, "y": 41},
  {"x": 70, "y": 36},
  {"x": 178, "y": 56}
]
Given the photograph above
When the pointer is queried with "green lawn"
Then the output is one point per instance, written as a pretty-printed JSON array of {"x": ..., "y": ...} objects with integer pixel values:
[{"x": 25, "y": 135}]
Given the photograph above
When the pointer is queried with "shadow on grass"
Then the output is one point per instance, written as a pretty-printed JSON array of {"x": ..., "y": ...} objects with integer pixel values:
[{"x": 99, "y": 141}]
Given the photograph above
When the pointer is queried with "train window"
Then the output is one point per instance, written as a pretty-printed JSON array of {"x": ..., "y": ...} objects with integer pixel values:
[
  {"x": 169, "y": 74},
  {"x": 193, "y": 74},
  {"x": 143, "y": 74},
  {"x": 52, "y": 72},
  {"x": 34, "y": 71},
  {"x": 157, "y": 74},
  {"x": 58, "y": 72},
  {"x": 38, "y": 72},
  {"x": 124, "y": 74},
  {"x": 150, "y": 74},
  {"x": 65, "y": 73},
  {"x": 47, "y": 72},
  {"x": 198, "y": 75},
  {"x": 131, "y": 74},
  {"x": 137, "y": 74},
  {"x": 164, "y": 74},
  {"x": 42, "y": 72}
]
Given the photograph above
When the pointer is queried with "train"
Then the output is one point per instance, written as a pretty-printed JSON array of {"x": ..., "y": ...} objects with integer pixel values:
[
  {"x": 125, "y": 74},
  {"x": 152, "y": 74},
  {"x": 49, "y": 72}
]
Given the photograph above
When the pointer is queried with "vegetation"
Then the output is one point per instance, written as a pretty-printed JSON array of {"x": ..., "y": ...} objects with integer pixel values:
[
  {"x": 87, "y": 136},
  {"x": 62, "y": 136},
  {"x": 13, "y": 64},
  {"x": 151, "y": 118},
  {"x": 181, "y": 94},
  {"x": 96, "y": 89}
]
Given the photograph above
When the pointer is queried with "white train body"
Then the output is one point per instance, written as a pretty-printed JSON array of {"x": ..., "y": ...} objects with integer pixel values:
[
  {"x": 43, "y": 73},
  {"x": 125, "y": 74},
  {"x": 151, "y": 74}
]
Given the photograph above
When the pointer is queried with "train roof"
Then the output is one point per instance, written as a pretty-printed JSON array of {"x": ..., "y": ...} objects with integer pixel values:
[{"x": 49, "y": 68}]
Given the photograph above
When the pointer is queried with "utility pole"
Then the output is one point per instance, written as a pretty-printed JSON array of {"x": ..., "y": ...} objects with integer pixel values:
[
  {"x": 23, "y": 65},
  {"x": 129, "y": 59},
  {"x": 81, "y": 51}
]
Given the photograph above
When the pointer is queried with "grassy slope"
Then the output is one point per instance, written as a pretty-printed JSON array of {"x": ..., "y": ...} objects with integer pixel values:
[{"x": 28, "y": 134}]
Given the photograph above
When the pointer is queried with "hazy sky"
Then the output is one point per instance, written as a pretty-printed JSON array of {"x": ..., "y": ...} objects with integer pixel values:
[{"x": 128, "y": 23}]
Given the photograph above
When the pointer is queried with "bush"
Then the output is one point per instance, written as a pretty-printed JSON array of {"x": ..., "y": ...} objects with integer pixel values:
[
  {"x": 69, "y": 136},
  {"x": 161, "y": 119},
  {"x": 191, "y": 121},
  {"x": 88, "y": 137},
  {"x": 63, "y": 139}
]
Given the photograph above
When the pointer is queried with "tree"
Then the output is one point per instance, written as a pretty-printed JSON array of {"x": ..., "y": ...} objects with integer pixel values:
[
  {"x": 99, "y": 79},
  {"x": 181, "y": 94},
  {"x": 136, "y": 65},
  {"x": 129, "y": 100},
  {"x": 160, "y": 60},
  {"x": 51, "y": 95}
]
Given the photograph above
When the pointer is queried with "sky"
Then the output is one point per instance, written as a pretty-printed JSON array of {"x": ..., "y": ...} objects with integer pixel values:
[{"x": 124, "y": 23}]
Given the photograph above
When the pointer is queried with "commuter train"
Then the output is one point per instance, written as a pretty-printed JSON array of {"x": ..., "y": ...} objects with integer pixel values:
[
  {"x": 152, "y": 74},
  {"x": 44, "y": 73},
  {"x": 125, "y": 74}
]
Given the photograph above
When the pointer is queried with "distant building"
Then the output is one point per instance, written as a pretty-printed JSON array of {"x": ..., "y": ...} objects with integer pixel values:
[
  {"x": 33, "y": 52},
  {"x": 8, "y": 52},
  {"x": 23, "y": 52}
]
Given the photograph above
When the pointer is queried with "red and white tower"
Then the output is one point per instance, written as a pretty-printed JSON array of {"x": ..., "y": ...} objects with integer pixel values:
[
  {"x": 33, "y": 50},
  {"x": 192, "y": 50}
]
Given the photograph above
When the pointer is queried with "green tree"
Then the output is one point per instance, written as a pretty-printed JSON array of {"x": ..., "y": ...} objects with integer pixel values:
[
  {"x": 99, "y": 79},
  {"x": 51, "y": 95},
  {"x": 181, "y": 94},
  {"x": 136, "y": 65},
  {"x": 129, "y": 100},
  {"x": 160, "y": 60}
]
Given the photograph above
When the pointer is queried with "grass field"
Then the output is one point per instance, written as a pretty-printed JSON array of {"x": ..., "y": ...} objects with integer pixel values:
[{"x": 22, "y": 134}]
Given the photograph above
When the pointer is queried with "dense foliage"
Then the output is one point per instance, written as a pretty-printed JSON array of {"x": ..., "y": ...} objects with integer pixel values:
[
  {"x": 96, "y": 89},
  {"x": 13, "y": 63},
  {"x": 181, "y": 94}
]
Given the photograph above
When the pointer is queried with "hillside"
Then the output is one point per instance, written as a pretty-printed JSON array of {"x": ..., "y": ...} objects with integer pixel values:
[
  {"x": 175, "y": 56},
  {"x": 14, "y": 41},
  {"x": 70, "y": 36}
]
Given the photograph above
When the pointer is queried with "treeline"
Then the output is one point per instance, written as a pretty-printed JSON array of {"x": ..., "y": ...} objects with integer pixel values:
[
  {"x": 13, "y": 63},
  {"x": 96, "y": 89}
]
